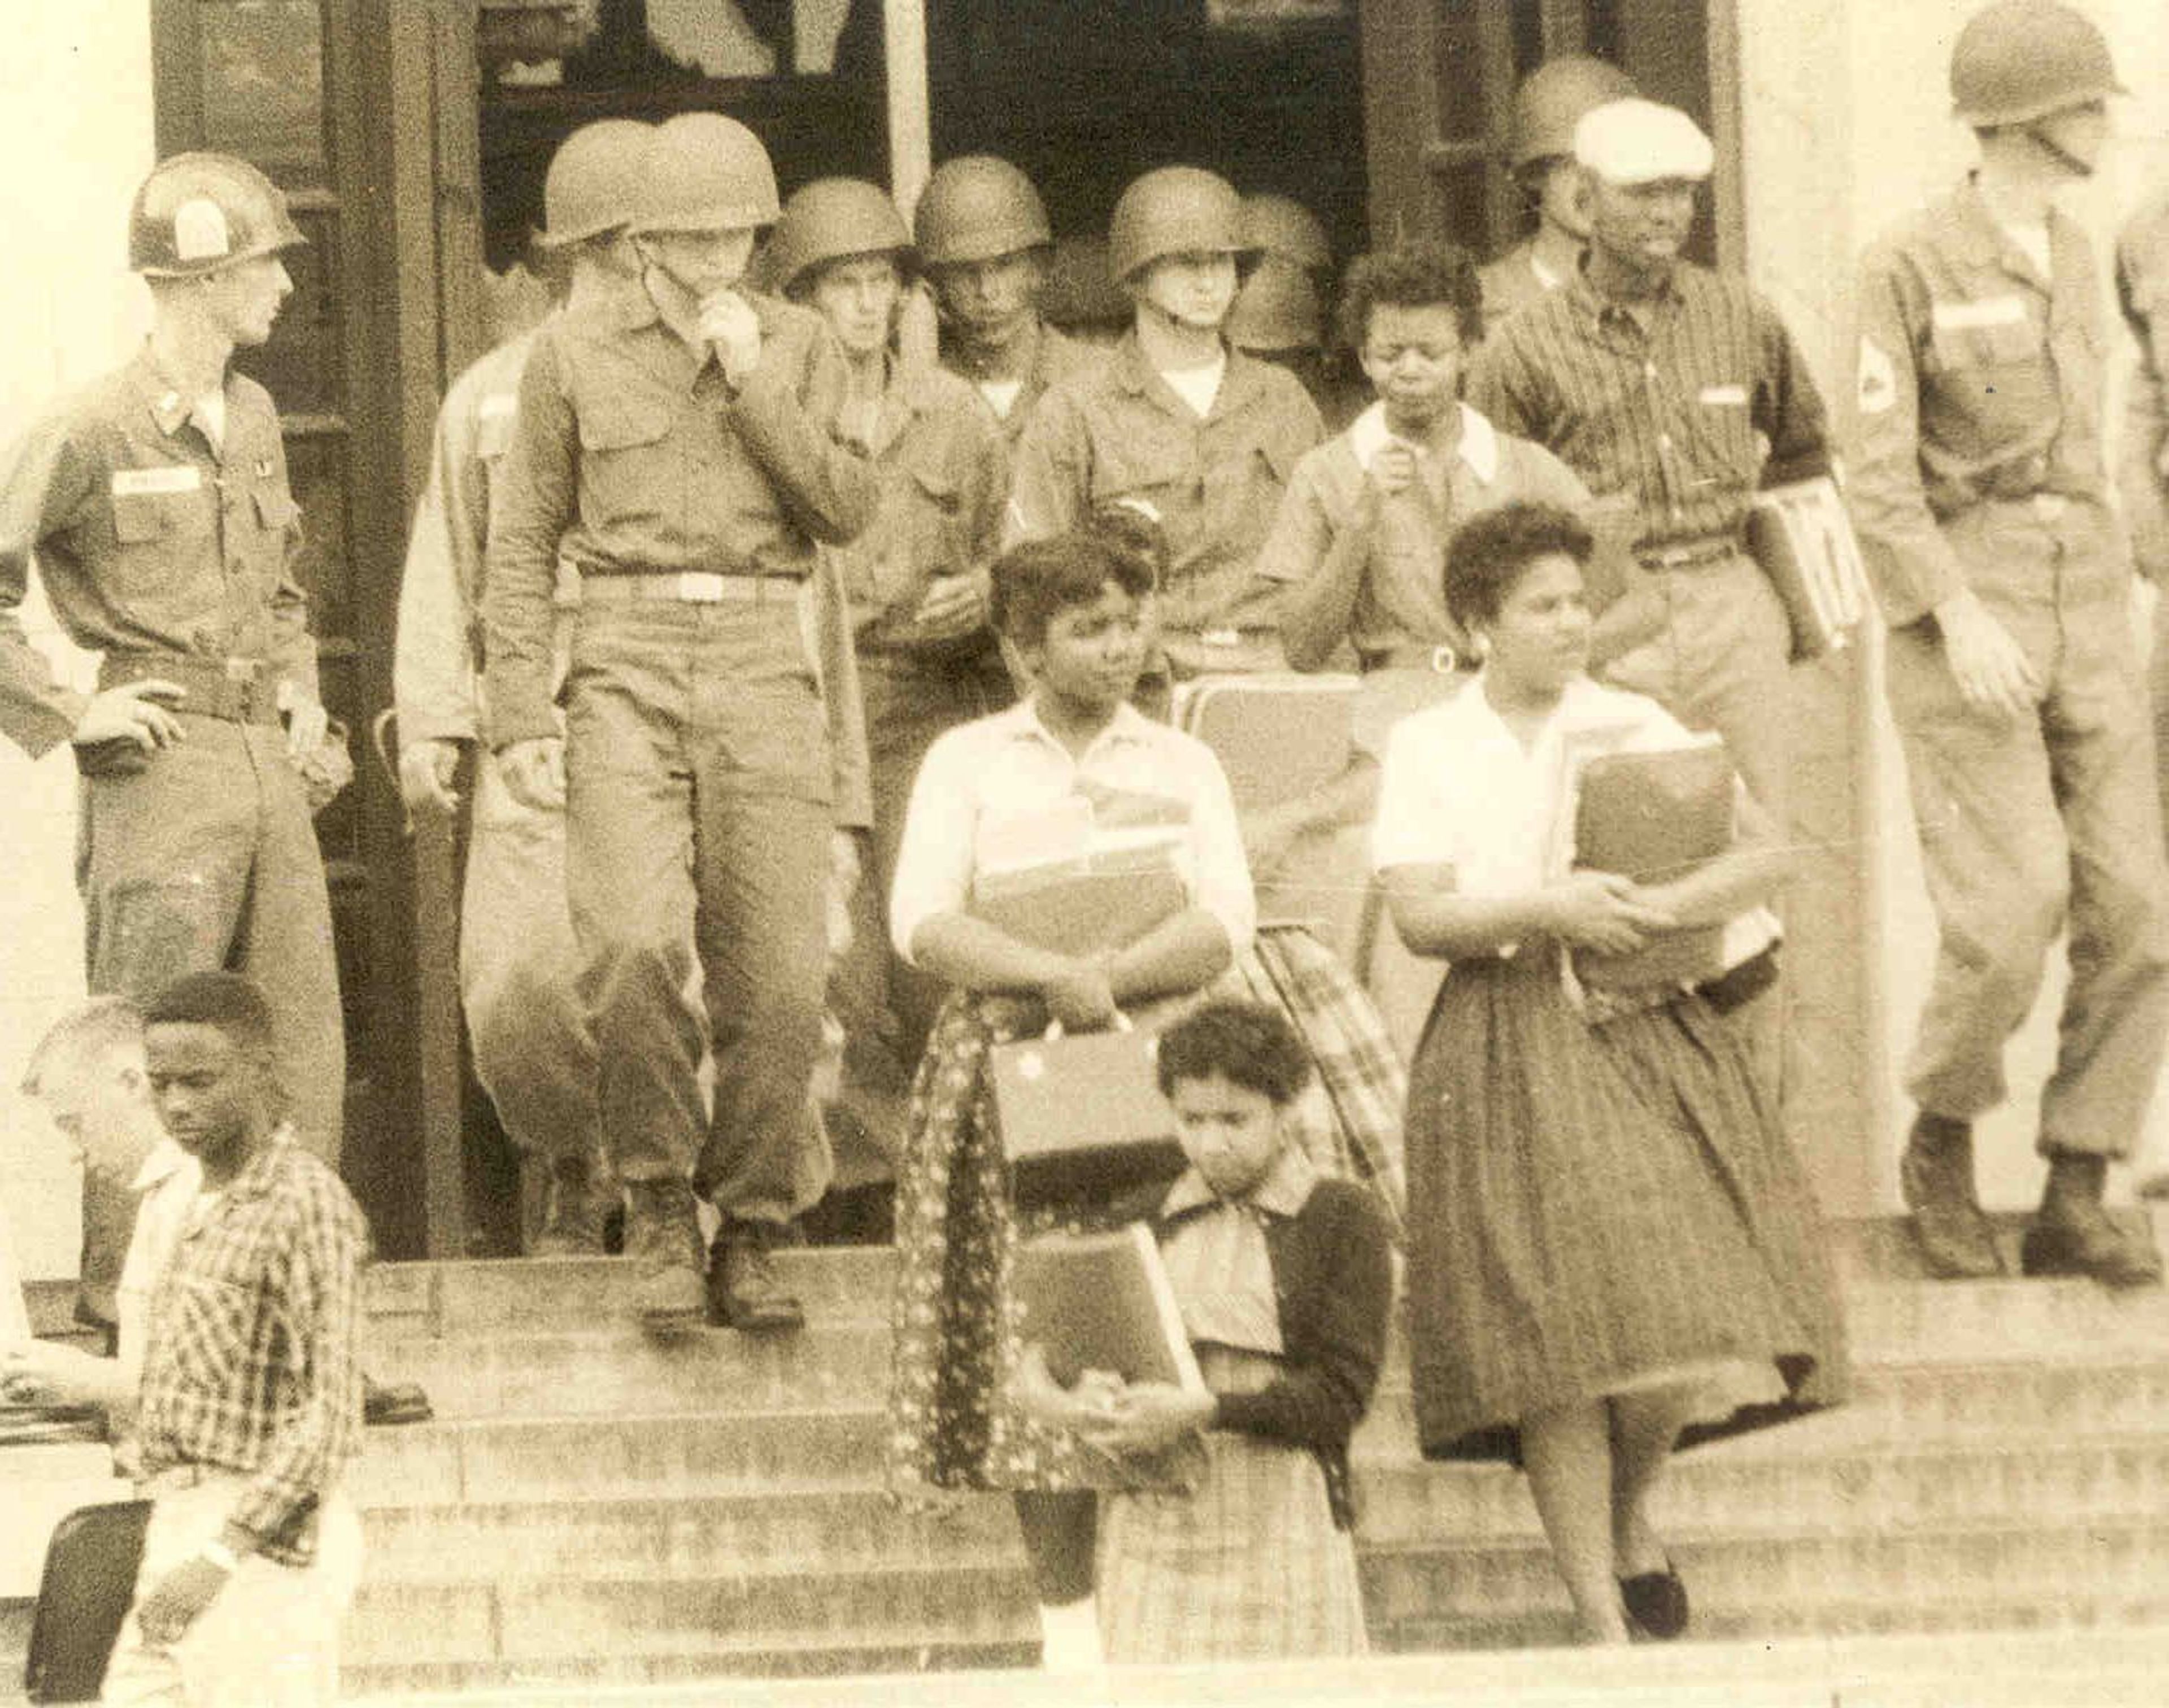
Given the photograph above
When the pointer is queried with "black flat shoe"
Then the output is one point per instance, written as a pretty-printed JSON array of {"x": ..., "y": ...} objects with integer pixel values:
[{"x": 1656, "y": 1602}]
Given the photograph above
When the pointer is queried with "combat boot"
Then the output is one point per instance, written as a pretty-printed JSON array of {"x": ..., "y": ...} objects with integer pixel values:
[
  {"x": 745, "y": 1291},
  {"x": 663, "y": 1236},
  {"x": 1935, "y": 1176},
  {"x": 574, "y": 1207},
  {"x": 2074, "y": 1234}
]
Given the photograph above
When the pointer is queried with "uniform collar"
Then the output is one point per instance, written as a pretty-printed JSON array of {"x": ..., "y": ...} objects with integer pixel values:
[
  {"x": 1136, "y": 375},
  {"x": 1985, "y": 242},
  {"x": 1281, "y": 1194},
  {"x": 169, "y": 409}
]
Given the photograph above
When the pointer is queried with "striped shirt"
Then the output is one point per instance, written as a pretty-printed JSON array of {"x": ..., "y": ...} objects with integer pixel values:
[
  {"x": 251, "y": 1364},
  {"x": 1687, "y": 403}
]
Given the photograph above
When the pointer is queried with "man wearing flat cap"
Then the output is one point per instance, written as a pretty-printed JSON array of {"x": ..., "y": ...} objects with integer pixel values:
[{"x": 1678, "y": 393}]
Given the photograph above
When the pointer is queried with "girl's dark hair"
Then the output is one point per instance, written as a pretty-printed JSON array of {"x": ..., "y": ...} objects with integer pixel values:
[
  {"x": 1033, "y": 582},
  {"x": 1414, "y": 275},
  {"x": 1244, "y": 1043},
  {"x": 1491, "y": 550}
]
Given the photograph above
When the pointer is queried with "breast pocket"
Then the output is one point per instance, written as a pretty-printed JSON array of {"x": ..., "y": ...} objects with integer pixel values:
[
  {"x": 1992, "y": 384},
  {"x": 210, "y": 1322},
  {"x": 1155, "y": 462},
  {"x": 625, "y": 472},
  {"x": 154, "y": 535},
  {"x": 1242, "y": 495}
]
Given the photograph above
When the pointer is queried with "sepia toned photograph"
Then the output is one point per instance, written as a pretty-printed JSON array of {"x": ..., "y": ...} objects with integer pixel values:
[{"x": 1085, "y": 851}]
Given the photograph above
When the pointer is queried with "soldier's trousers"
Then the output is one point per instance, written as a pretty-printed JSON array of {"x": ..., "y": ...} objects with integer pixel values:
[{"x": 206, "y": 859}]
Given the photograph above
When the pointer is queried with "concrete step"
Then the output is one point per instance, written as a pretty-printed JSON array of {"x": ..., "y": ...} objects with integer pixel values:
[
  {"x": 686, "y": 1537},
  {"x": 1893, "y": 1488},
  {"x": 1797, "y": 1578},
  {"x": 716, "y": 1620}
]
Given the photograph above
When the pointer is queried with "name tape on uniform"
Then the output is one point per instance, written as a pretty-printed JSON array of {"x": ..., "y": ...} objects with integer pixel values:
[
  {"x": 1724, "y": 396},
  {"x": 136, "y": 483},
  {"x": 1983, "y": 311}
]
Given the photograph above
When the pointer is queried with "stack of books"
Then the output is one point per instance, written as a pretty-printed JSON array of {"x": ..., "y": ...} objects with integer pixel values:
[{"x": 1803, "y": 540}]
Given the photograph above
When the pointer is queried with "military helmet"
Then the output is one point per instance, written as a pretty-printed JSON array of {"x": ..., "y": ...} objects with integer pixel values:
[
  {"x": 1551, "y": 102},
  {"x": 196, "y": 213},
  {"x": 593, "y": 181},
  {"x": 1278, "y": 309},
  {"x": 1279, "y": 225},
  {"x": 827, "y": 220},
  {"x": 1175, "y": 211},
  {"x": 701, "y": 172},
  {"x": 976, "y": 208},
  {"x": 2022, "y": 59}
]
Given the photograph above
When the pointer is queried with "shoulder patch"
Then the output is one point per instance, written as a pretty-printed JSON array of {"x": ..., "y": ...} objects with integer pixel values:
[{"x": 1878, "y": 378}]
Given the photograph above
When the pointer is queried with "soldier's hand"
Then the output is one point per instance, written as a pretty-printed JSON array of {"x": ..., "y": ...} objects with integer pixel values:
[
  {"x": 954, "y": 605},
  {"x": 135, "y": 712},
  {"x": 534, "y": 772},
  {"x": 1393, "y": 468},
  {"x": 1992, "y": 671},
  {"x": 306, "y": 722},
  {"x": 729, "y": 322},
  {"x": 426, "y": 769}
]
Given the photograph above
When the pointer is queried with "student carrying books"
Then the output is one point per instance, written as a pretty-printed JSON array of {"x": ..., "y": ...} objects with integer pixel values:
[{"x": 1609, "y": 1238}]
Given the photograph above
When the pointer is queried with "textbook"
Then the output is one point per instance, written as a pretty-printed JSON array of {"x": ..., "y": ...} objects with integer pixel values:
[
  {"x": 1654, "y": 816},
  {"x": 1102, "y": 1301},
  {"x": 1094, "y": 871},
  {"x": 1802, "y": 539}
]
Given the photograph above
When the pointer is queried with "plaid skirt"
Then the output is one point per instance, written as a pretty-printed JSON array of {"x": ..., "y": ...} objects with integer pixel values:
[
  {"x": 1247, "y": 1567},
  {"x": 1595, "y": 1205},
  {"x": 952, "y": 1314}
]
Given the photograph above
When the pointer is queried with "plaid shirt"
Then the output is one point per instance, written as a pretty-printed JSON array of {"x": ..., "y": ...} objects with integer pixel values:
[
  {"x": 1687, "y": 404},
  {"x": 252, "y": 1362}
]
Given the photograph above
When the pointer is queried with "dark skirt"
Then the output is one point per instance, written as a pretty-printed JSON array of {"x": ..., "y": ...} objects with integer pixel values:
[{"x": 1592, "y": 1206}]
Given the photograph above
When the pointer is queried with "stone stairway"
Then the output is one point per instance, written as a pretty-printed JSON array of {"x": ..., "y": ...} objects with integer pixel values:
[{"x": 593, "y": 1509}]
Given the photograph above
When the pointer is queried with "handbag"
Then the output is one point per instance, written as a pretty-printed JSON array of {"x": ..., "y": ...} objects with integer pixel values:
[
  {"x": 88, "y": 1582},
  {"x": 1081, "y": 1115}
]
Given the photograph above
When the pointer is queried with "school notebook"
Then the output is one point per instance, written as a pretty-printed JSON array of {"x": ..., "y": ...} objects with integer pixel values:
[{"x": 1103, "y": 1302}]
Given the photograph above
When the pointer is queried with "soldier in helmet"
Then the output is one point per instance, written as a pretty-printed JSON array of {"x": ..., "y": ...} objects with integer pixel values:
[
  {"x": 1540, "y": 153},
  {"x": 1205, "y": 436},
  {"x": 917, "y": 577},
  {"x": 686, "y": 447},
  {"x": 533, "y": 1052},
  {"x": 1983, "y": 507},
  {"x": 982, "y": 241},
  {"x": 156, "y": 502}
]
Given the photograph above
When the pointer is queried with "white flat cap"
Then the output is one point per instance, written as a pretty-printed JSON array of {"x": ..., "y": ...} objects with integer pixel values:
[{"x": 1637, "y": 142}]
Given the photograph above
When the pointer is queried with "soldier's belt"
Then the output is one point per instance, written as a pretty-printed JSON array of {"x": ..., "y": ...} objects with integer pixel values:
[
  {"x": 239, "y": 690},
  {"x": 689, "y": 587}
]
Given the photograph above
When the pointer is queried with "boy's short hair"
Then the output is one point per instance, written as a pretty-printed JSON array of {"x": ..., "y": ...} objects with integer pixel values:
[
  {"x": 81, "y": 1038},
  {"x": 1245, "y": 1043},
  {"x": 226, "y": 1001},
  {"x": 1034, "y": 582},
  {"x": 1412, "y": 275},
  {"x": 1491, "y": 550}
]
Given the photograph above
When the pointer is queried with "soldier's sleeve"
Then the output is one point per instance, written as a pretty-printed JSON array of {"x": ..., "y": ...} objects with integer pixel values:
[
  {"x": 539, "y": 474},
  {"x": 986, "y": 488},
  {"x": 45, "y": 481},
  {"x": 1788, "y": 406},
  {"x": 850, "y": 770},
  {"x": 1911, "y": 564},
  {"x": 790, "y": 413},
  {"x": 2142, "y": 257},
  {"x": 1053, "y": 471},
  {"x": 433, "y": 667},
  {"x": 1302, "y": 531},
  {"x": 293, "y": 649}
]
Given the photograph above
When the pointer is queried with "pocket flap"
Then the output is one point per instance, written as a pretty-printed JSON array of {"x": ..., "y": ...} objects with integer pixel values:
[
  {"x": 275, "y": 509},
  {"x": 619, "y": 423}
]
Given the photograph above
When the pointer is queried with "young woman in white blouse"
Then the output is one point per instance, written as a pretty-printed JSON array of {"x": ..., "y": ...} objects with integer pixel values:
[{"x": 1611, "y": 1246}]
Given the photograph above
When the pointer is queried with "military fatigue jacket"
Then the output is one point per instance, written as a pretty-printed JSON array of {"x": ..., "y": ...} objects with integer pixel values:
[
  {"x": 1215, "y": 481},
  {"x": 631, "y": 454},
  {"x": 1978, "y": 380},
  {"x": 147, "y": 540},
  {"x": 1055, "y": 356}
]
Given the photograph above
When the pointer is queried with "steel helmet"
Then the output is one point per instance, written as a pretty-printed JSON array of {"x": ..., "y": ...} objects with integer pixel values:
[
  {"x": 975, "y": 207},
  {"x": 1279, "y": 225},
  {"x": 1551, "y": 101},
  {"x": 196, "y": 213},
  {"x": 701, "y": 172},
  {"x": 2022, "y": 59},
  {"x": 1175, "y": 211},
  {"x": 1278, "y": 309},
  {"x": 827, "y": 220},
  {"x": 593, "y": 180}
]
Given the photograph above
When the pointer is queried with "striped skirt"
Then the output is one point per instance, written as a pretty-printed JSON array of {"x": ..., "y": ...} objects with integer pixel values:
[
  {"x": 1594, "y": 1206},
  {"x": 1248, "y": 1567}
]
